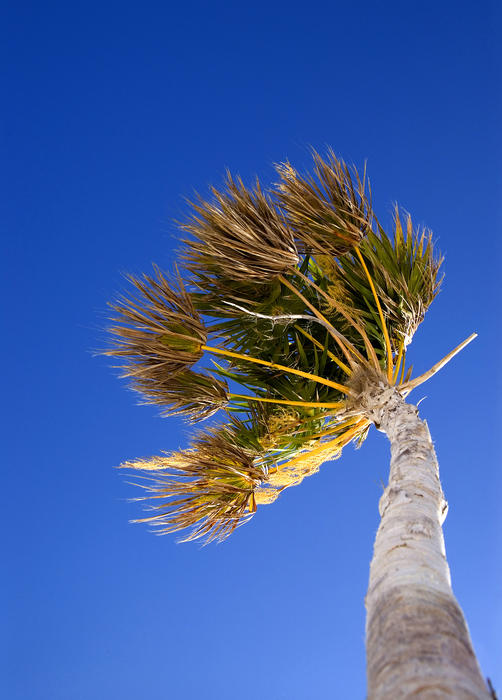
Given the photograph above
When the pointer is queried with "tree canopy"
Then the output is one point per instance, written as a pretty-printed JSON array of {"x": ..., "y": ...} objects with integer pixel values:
[{"x": 288, "y": 306}]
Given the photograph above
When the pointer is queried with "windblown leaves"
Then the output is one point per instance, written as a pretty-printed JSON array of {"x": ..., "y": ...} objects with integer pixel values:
[
  {"x": 158, "y": 334},
  {"x": 215, "y": 485},
  {"x": 208, "y": 489},
  {"x": 405, "y": 272},
  {"x": 240, "y": 235},
  {"x": 328, "y": 211},
  {"x": 194, "y": 395},
  {"x": 302, "y": 293}
]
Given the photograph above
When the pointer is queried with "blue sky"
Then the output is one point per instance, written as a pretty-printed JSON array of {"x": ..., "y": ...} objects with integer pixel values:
[{"x": 115, "y": 113}]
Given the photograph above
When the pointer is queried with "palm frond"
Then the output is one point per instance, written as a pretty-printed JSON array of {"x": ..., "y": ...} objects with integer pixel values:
[
  {"x": 194, "y": 395},
  {"x": 405, "y": 271},
  {"x": 158, "y": 334},
  {"x": 240, "y": 235},
  {"x": 328, "y": 211},
  {"x": 208, "y": 489}
]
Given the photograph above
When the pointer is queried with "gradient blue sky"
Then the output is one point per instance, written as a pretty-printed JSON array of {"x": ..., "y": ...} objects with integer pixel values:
[{"x": 113, "y": 114}]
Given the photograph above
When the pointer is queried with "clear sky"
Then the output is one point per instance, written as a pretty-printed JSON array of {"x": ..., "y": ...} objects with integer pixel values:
[{"x": 113, "y": 114}]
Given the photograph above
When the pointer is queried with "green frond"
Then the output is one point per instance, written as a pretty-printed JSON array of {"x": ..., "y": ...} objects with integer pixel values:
[
  {"x": 405, "y": 271},
  {"x": 278, "y": 432}
]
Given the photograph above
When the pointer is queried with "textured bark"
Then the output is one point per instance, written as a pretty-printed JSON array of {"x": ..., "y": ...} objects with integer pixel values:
[{"x": 418, "y": 644}]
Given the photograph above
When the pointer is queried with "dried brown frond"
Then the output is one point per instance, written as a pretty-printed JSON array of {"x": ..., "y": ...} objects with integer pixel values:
[
  {"x": 329, "y": 211},
  {"x": 193, "y": 395},
  {"x": 240, "y": 235},
  {"x": 208, "y": 488},
  {"x": 158, "y": 333}
]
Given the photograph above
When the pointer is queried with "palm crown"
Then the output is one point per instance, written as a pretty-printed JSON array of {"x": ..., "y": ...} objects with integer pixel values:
[{"x": 304, "y": 305}]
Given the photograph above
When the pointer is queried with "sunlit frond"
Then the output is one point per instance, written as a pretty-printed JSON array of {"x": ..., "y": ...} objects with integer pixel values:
[
  {"x": 405, "y": 272},
  {"x": 240, "y": 235},
  {"x": 157, "y": 327},
  {"x": 207, "y": 489},
  {"x": 329, "y": 211}
]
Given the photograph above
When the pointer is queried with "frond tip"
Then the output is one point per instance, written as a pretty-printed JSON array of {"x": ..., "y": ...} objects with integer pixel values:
[
  {"x": 208, "y": 488},
  {"x": 158, "y": 334},
  {"x": 240, "y": 236},
  {"x": 329, "y": 211}
]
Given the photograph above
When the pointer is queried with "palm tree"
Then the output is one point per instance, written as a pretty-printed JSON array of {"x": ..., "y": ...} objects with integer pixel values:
[{"x": 306, "y": 307}]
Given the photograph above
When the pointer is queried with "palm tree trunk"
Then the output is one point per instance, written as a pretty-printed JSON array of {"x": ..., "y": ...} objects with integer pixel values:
[{"x": 418, "y": 644}]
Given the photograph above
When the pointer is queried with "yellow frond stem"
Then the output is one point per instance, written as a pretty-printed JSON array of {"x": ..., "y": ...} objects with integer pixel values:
[
  {"x": 340, "y": 426},
  {"x": 338, "y": 442},
  {"x": 370, "y": 350},
  {"x": 380, "y": 313},
  {"x": 283, "y": 368},
  {"x": 304, "y": 404},
  {"x": 343, "y": 343},
  {"x": 252, "y": 503},
  {"x": 333, "y": 357},
  {"x": 398, "y": 362}
]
